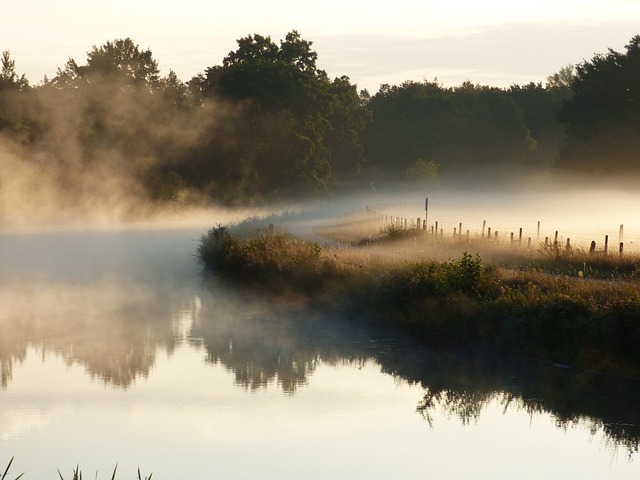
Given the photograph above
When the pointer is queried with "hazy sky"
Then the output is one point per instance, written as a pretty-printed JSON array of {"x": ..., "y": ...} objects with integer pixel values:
[{"x": 489, "y": 42}]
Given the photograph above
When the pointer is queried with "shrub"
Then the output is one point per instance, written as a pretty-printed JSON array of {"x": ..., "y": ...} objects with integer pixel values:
[{"x": 464, "y": 275}]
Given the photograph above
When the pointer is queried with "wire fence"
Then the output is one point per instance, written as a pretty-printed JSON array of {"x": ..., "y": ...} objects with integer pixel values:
[{"x": 526, "y": 235}]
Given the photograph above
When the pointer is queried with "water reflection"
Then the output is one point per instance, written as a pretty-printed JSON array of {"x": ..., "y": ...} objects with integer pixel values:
[
  {"x": 286, "y": 349},
  {"x": 103, "y": 300},
  {"x": 116, "y": 316}
]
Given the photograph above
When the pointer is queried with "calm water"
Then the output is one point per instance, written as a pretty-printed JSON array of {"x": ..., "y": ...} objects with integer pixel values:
[{"x": 113, "y": 350}]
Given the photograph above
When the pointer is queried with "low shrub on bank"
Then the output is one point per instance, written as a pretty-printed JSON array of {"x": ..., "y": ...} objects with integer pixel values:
[
  {"x": 592, "y": 323},
  {"x": 275, "y": 260}
]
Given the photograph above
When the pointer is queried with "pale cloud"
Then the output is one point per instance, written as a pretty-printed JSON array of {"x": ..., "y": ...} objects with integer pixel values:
[
  {"x": 500, "y": 56},
  {"x": 371, "y": 41}
]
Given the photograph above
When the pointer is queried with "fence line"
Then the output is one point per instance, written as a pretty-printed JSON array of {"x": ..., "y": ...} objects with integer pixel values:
[{"x": 553, "y": 240}]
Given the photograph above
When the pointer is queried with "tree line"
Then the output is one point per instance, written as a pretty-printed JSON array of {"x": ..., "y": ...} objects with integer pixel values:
[{"x": 268, "y": 124}]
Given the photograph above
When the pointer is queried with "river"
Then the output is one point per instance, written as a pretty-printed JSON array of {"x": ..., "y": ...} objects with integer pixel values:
[{"x": 114, "y": 350}]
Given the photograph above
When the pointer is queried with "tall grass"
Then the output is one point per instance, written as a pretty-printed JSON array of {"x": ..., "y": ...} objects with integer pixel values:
[
  {"x": 76, "y": 473},
  {"x": 531, "y": 311},
  {"x": 5, "y": 475},
  {"x": 275, "y": 260}
]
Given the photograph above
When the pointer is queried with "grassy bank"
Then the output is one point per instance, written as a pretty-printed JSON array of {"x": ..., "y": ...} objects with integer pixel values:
[{"x": 587, "y": 321}]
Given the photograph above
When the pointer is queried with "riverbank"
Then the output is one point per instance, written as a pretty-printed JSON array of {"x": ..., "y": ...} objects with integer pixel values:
[{"x": 526, "y": 307}]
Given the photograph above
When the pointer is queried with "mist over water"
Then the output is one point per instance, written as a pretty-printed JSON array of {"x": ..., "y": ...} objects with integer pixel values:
[{"x": 114, "y": 349}]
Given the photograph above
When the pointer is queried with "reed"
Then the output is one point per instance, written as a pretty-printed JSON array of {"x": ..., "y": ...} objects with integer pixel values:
[
  {"x": 76, "y": 473},
  {"x": 5, "y": 474}
]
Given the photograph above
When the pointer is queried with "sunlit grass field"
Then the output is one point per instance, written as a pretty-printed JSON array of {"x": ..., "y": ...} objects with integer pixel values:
[{"x": 563, "y": 306}]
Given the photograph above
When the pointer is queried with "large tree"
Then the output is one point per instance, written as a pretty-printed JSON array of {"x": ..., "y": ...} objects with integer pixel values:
[
  {"x": 111, "y": 126},
  {"x": 13, "y": 89},
  {"x": 9, "y": 78},
  {"x": 119, "y": 60},
  {"x": 297, "y": 127},
  {"x": 603, "y": 115}
]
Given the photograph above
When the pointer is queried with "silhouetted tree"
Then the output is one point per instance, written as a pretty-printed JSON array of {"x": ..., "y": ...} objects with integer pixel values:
[
  {"x": 9, "y": 78},
  {"x": 13, "y": 88},
  {"x": 563, "y": 78},
  {"x": 119, "y": 60},
  {"x": 603, "y": 115},
  {"x": 296, "y": 125}
]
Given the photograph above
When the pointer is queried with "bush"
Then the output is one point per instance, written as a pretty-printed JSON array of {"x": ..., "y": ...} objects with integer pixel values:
[{"x": 464, "y": 275}]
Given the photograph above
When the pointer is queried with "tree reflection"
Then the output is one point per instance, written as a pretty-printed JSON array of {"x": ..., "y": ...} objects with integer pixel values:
[
  {"x": 116, "y": 330},
  {"x": 258, "y": 349},
  {"x": 113, "y": 331},
  {"x": 285, "y": 347}
]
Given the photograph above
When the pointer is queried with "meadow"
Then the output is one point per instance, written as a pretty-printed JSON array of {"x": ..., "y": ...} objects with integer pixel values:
[{"x": 566, "y": 306}]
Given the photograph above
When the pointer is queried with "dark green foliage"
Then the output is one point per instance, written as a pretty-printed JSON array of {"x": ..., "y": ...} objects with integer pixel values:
[
  {"x": 13, "y": 87},
  {"x": 557, "y": 328},
  {"x": 603, "y": 115},
  {"x": 280, "y": 263},
  {"x": 9, "y": 78},
  {"x": 217, "y": 249},
  {"x": 117, "y": 60},
  {"x": 466, "y": 128},
  {"x": 296, "y": 129},
  {"x": 465, "y": 274},
  {"x": 460, "y": 301},
  {"x": 267, "y": 123},
  {"x": 540, "y": 107}
]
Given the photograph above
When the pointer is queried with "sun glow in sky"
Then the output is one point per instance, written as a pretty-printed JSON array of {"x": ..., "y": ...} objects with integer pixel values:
[{"x": 491, "y": 42}]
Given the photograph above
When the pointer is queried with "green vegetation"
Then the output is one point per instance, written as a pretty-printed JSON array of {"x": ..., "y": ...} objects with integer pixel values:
[
  {"x": 602, "y": 115},
  {"x": 76, "y": 473},
  {"x": 527, "y": 309},
  {"x": 273, "y": 260},
  {"x": 5, "y": 475},
  {"x": 267, "y": 124}
]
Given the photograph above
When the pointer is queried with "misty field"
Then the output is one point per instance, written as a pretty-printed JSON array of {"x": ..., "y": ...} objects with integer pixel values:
[{"x": 568, "y": 308}]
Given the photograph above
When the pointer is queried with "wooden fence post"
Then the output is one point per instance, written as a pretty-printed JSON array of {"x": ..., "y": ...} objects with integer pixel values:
[
  {"x": 606, "y": 244},
  {"x": 620, "y": 234}
]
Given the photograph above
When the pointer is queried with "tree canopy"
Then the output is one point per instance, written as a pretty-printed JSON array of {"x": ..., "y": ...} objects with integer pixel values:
[
  {"x": 267, "y": 123},
  {"x": 303, "y": 126},
  {"x": 463, "y": 129},
  {"x": 603, "y": 115}
]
